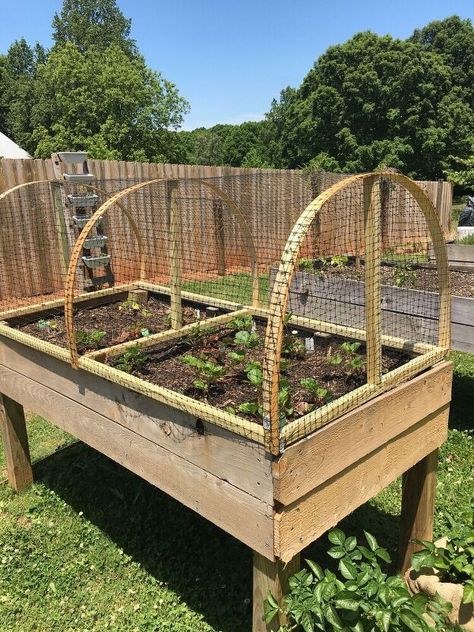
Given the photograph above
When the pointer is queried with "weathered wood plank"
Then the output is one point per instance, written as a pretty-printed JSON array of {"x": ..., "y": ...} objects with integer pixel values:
[
  {"x": 245, "y": 517},
  {"x": 15, "y": 443},
  {"x": 418, "y": 497},
  {"x": 309, "y": 517},
  {"x": 314, "y": 460},
  {"x": 226, "y": 455}
]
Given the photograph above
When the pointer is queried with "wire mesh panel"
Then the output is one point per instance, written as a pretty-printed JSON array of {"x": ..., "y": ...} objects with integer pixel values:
[{"x": 236, "y": 298}]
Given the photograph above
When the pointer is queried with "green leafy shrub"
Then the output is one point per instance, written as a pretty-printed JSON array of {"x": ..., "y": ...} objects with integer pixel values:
[
  {"x": 133, "y": 359},
  {"x": 403, "y": 274},
  {"x": 454, "y": 560},
  {"x": 208, "y": 371},
  {"x": 359, "y": 597},
  {"x": 89, "y": 339}
]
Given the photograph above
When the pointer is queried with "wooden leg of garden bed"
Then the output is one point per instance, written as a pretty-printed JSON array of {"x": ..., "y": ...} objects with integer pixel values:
[
  {"x": 15, "y": 443},
  {"x": 418, "y": 496},
  {"x": 270, "y": 577}
]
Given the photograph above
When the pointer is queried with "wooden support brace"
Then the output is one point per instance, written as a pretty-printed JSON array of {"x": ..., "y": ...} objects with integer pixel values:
[
  {"x": 218, "y": 212},
  {"x": 15, "y": 443},
  {"x": 270, "y": 577},
  {"x": 175, "y": 229},
  {"x": 418, "y": 498},
  {"x": 138, "y": 296}
]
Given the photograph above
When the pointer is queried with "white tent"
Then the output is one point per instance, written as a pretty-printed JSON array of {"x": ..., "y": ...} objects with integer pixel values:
[{"x": 9, "y": 149}]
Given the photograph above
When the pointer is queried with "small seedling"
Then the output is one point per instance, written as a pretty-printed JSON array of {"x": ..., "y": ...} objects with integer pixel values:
[
  {"x": 46, "y": 325},
  {"x": 335, "y": 359},
  {"x": 236, "y": 357},
  {"x": 339, "y": 261},
  {"x": 246, "y": 339},
  {"x": 284, "y": 401},
  {"x": 317, "y": 392},
  {"x": 89, "y": 339},
  {"x": 208, "y": 371},
  {"x": 403, "y": 274},
  {"x": 254, "y": 373},
  {"x": 131, "y": 305},
  {"x": 306, "y": 264},
  {"x": 245, "y": 324},
  {"x": 133, "y": 359},
  {"x": 251, "y": 408},
  {"x": 293, "y": 346}
]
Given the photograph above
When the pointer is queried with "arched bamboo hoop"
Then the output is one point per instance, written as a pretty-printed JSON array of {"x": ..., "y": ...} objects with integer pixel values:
[
  {"x": 281, "y": 288},
  {"x": 100, "y": 212}
]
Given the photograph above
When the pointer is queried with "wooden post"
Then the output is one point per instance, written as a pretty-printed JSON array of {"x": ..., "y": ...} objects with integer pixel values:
[
  {"x": 372, "y": 282},
  {"x": 418, "y": 497},
  {"x": 15, "y": 443},
  {"x": 270, "y": 577},
  {"x": 218, "y": 212},
  {"x": 175, "y": 255}
]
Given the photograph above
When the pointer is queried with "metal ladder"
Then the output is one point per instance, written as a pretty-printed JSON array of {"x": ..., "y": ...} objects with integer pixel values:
[{"x": 77, "y": 208}]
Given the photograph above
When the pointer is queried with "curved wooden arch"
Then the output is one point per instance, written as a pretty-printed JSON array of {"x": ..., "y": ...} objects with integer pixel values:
[
  {"x": 92, "y": 187},
  {"x": 281, "y": 288},
  {"x": 77, "y": 249}
]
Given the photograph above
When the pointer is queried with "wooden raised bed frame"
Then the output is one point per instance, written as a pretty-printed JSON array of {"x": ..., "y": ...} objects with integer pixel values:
[{"x": 275, "y": 492}]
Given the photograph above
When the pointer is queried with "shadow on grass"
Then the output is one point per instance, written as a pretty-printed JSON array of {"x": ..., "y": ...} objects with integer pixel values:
[
  {"x": 461, "y": 415},
  {"x": 209, "y": 569}
]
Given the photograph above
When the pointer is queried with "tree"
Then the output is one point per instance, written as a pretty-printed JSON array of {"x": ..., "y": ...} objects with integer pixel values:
[
  {"x": 375, "y": 101},
  {"x": 105, "y": 102},
  {"x": 93, "y": 23}
]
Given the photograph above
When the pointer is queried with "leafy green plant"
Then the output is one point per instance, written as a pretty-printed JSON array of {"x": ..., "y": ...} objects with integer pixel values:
[
  {"x": 403, "y": 274},
  {"x": 284, "y": 401},
  {"x": 247, "y": 339},
  {"x": 208, "y": 371},
  {"x": 131, "y": 305},
  {"x": 467, "y": 240},
  {"x": 317, "y": 392},
  {"x": 293, "y": 346},
  {"x": 251, "y": 408},
  {"x": 46, "y": 325},
  {"x": 244, "y": 324},
  {"x": 131, "y": 360},
  {"x": 359, "y": 597},
  {"x": 89, "y": 339},
  {"x": 339, "y": 261},
  {"x": 236, "y": 357},
  {"x": 454, "y": 560},
  {"x": 254, "y": 373},
  {"x": 347, "y": 356},
  {"x": 306, "y": 264}
]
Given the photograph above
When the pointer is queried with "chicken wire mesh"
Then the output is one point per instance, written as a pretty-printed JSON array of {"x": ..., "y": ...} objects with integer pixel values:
[{"x": 179, "y": 290}]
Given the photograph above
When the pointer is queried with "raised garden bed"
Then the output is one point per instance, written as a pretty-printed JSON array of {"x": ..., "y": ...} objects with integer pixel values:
[{"x": 410, "y": 302}]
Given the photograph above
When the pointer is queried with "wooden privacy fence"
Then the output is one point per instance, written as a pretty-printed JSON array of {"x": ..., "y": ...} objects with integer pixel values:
[{"x": 271, "y": 201}]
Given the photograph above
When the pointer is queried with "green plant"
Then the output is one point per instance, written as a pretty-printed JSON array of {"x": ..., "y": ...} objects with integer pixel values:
[
  {"x": 247, "y": 339},
  {"x": 339, "y": 261},
  {"x": 348, "y": 356},
  {"x": 403, "y": 274},
  {"x": 253, "y": 372},
  {"x": 293, "y": 346},
  {"x": 467, "y": 240},
  {"x": 208, "y": 371},
  {"x": 131, "y": 305},
  {"x": 245, "y": 323},
  {"x": 284, "y": 401},
  {"x": 131, "y": 360},
  {"x": 318, "y": 392},
  {"x": 251, "y": 408},
  {"x": 89, "y": 339},
  {"x": 306, "y": 264},
  {"x": 236, "y": 357},
  {"x": 46, "y": 325},
  {"x": 454, "y": 560},
  {"x": 359, "y": 597}
]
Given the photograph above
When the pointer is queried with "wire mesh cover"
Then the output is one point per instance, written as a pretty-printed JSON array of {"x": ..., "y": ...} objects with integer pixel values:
[{"x": 179, "y": 290}]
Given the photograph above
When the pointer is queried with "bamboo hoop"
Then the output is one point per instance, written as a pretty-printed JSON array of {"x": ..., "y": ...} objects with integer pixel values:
[
  {"x": 281, "y": 289},
  {"x": 100, "y": 212}
]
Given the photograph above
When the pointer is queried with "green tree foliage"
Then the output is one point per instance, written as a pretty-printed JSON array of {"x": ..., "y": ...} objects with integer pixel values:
[
  {"x": 93, "y": 23},
  {"x": 103, "y": 101},
  {"x": 375, "y": 101},
  {"x": 92, "y": 91}
]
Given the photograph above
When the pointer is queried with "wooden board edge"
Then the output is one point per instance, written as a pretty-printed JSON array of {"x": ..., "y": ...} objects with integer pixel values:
[
  {"x": 312, "y": 460},
  {"x": 299, "y": 524}
]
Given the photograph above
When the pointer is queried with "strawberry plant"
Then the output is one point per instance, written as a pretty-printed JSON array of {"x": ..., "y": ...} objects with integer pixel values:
[{"x": 88, "y": 339}]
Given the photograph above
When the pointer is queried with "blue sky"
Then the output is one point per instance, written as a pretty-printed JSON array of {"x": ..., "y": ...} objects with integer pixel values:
[{"x": 230, "y": 59}]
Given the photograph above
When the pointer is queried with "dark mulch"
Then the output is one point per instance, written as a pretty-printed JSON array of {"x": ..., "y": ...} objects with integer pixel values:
[
  {"x": 164, "y": 366},
  {"x": 417, "y": 278},
  {"x": 119, "y": 321}
]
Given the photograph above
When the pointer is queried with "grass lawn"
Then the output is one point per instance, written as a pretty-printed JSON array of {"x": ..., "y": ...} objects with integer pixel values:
[{"x": 92, "y": 547}]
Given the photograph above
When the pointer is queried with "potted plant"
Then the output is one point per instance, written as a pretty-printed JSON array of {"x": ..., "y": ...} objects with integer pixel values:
[{"x": 446, "y": 567}]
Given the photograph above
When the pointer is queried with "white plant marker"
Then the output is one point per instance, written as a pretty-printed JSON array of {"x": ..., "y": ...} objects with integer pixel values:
[
  {"x": 309, "y": 344},
  {"x": 197, "y": 314}
]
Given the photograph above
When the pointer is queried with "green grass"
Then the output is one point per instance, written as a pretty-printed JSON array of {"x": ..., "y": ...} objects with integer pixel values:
[
  {"x": 92, "y": 547},
  {"x": 232, "y": 287}
]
